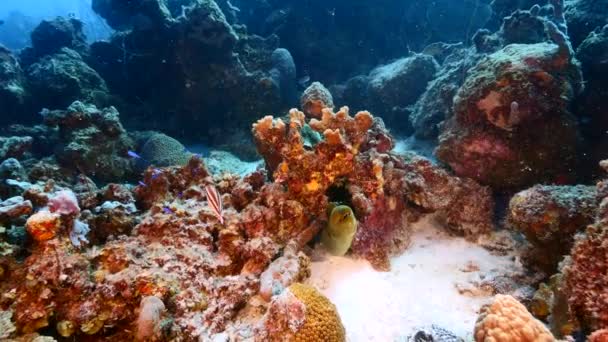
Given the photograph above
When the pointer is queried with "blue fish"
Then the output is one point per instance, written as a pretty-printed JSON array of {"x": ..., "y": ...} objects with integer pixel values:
[
  {"x": 156, "y": 173},
  {"x": 142, "y": 183},
  {"x": 167, "y": 210},
  {"x": 132, "y": 154}
]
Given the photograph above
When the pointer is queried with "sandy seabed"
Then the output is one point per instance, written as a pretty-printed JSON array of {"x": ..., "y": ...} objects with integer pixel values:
[{"x": 421, "y": 289}]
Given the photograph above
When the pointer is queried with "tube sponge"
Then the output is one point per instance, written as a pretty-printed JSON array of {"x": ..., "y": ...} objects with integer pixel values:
[
  {"x": 507, "y": 320},
  {"x": 151, "y": 309}
]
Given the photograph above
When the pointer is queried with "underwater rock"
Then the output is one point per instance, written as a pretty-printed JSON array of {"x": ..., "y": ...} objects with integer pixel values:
[
  {"x": 283, "y": 72},
  {"x": 14, "y": 147},
  {"x": 591, "y": 104},
  {"x": 433, "y": 334},
  {"x": 51, "y": 35},
  {"x": 137, "y": 15},
  {"x": 62, "y": 78},
  {"x": 398, "y": 85},
  {"x": 550, "y": 217},
  {"x": 10, "y": 168},
  {"x": 435, "y": 104},
  {"x": 504, "y": 8},
  {"x": 13, "y": 208},
  {"x": 314, "y": 99},
  {"x": 583, "y": 16},
  {"x": 13, "y": 91},
  {"x": 165, "y": 68},
  {"x": 92, "y": 141},
  {"x": 511, "y": 125},
  {"x": 507, "y": 319}
]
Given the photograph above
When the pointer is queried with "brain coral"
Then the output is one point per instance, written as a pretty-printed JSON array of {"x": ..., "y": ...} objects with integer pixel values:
[
  {"x": 507, "y": 320},
  {"x": 302, "y": 314},
  {"x": 162, "y": 150}
]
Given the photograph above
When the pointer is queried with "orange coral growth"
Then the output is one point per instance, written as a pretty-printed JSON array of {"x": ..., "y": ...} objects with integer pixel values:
[{"x": 43, "y": 225}]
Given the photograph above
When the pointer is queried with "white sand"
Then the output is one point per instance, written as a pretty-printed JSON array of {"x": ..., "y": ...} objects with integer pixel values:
[{"x": 418, "y": 291}]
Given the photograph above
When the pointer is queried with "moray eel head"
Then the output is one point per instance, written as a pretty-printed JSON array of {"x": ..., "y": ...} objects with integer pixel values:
[{"x": 340, "y": 231}]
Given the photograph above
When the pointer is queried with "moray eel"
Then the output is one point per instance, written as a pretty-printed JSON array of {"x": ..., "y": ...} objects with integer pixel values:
[{"x": 340, "y": 231}]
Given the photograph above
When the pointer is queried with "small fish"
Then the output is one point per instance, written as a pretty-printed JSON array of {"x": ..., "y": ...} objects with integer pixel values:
[
  {"x": 132, "y": 154},
  {"x": 167, "y": 210},
  {"x": 215, "y": 202},
  {"x": 141, "y": 183},
  {"x": 1, "y": 22},
  {"x": 156, "y": 173}
]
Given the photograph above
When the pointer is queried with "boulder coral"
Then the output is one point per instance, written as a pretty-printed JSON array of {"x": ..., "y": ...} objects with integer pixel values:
[
  {"x": 550, "y": 217},
  {"x": 511, "y": 125},
  {"x": 301, "y": 313}
]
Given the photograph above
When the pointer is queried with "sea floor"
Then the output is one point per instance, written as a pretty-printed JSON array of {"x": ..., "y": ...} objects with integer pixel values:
[{"x": 433, "y": 282}]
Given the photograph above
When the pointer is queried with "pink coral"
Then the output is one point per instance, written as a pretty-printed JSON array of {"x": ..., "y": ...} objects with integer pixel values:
[{"x": 64, "y": 203}]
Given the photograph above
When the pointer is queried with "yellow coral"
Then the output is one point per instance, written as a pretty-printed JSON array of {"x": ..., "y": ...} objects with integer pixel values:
[
  {"x": 507, "y": 320},
  {"x": 322, "y": 322}
]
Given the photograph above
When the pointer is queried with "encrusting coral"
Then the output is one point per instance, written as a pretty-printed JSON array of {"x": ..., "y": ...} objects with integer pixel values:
[
  {"x": 550, "y": 216},
  {"x": 386, "y": 191},
  {"x": 507, "y": 320}
]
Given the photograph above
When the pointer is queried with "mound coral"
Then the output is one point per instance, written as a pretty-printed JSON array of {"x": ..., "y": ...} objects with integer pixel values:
[
  {"x": 550, "y": 216},
  {"x": 162, "y": 150},
  {"x": 315, "y": 98},
  {"x": 507, "y": 320},
  {"x": 301, "y": 313},
  {"x": 511, "y": 125}
]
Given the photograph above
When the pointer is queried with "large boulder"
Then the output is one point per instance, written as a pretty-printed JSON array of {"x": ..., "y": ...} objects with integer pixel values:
[{"x": 511, "y": 126}]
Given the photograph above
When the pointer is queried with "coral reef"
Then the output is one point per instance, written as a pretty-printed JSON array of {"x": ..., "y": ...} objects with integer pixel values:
[
  {"x": 583, "y": 16},
  {"x": 193, "y": 52},
  {"x": 13, "y": 91},
  {"x": 549, "y": 217},
  {"x": 586, "y": 278},
  {"x": 92, "y": 141},
  {"x": 14, "y": 147},
  {"x": 51, "y": 35},
  {"x": 354, "y": 159},
  {"x": 506, "y": 319},
  {"x": 64, "y": 77},
  {"x": 512, "y": 111}
]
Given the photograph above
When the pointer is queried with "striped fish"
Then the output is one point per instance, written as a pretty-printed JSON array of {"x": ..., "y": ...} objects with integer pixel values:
[{"x": 215, "y": 202}]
